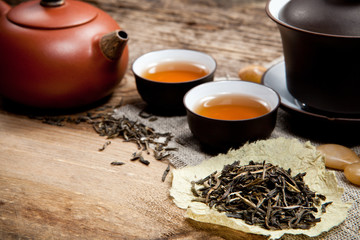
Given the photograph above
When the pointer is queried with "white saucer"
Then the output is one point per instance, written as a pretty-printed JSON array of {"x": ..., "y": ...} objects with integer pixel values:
[{"x": 275, "y": 78}]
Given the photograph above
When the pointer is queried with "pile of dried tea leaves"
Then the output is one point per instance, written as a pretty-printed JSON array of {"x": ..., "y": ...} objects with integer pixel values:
[
  {"x": 261, "y": 194},
  {"x": 146, "y": 138},
  {"x": 133, "y": 131},
  {"x": 287, "y": 153},
  {"x": 105, "y": 124}
]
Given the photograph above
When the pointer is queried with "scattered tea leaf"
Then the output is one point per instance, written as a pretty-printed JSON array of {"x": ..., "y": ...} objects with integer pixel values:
[
  {"x": 117, "y": 163},
  {"x": 105, "y": 124},
  {"x": 144, "y": 161},
  {"x": 107, "y": 143},
  {"x": 166, "y": 172}
]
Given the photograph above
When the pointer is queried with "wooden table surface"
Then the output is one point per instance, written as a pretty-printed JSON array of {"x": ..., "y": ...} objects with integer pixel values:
[{"x": 55, "y": 184}]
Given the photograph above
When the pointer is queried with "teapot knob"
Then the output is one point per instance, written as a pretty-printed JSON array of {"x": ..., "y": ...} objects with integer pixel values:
[{"x": 52, "y": 3}]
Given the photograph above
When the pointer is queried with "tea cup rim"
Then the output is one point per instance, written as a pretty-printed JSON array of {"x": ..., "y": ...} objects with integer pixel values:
[
  {"x": 211, "y": 59},
  {"x": 273, "y": 107}
]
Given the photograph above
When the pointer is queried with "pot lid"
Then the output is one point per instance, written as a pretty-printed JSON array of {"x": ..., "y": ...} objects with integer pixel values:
[
  {"x": 336, "y": 17},
  {"x": 52, "y": 14}
]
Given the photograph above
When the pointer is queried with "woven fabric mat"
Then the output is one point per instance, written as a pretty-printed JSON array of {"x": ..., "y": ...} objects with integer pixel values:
[{"x": 190, "y": 153}]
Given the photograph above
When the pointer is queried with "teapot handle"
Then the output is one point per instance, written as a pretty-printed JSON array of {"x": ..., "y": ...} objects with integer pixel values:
[{"x": 52, "y": 3}]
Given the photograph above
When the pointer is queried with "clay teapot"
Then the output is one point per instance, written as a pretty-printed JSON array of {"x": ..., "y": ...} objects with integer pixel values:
[{"x": 59, "y": 53}]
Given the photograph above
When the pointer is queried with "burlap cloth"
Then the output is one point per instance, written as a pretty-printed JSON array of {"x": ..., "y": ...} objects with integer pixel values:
[
  {"x": 289, "y": 125},
  {"x": 190, "y": 153}
]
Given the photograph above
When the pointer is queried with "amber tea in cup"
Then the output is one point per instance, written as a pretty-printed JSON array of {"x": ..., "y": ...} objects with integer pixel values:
[
  {"x": 163, "y": 77},
  {"x": 226, "y": 114},
  {"x": 232, "y": 107},
  {"x": 175, "y": 71}
]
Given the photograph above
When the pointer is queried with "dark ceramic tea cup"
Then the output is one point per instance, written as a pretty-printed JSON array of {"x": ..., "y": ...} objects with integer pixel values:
[
  {"x": 321, "y": 45},
  {"x": 218, "y": 134},
  {"x": 165, "y": 97}
]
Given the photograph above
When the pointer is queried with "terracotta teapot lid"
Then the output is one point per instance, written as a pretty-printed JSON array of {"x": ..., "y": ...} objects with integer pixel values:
[
  {"x": 335, "y": 17},
  {"x": 52, "y": 14}
]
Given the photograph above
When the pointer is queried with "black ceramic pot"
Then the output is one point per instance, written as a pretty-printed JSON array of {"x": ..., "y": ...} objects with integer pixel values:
[{"x": 321, "y": 45}]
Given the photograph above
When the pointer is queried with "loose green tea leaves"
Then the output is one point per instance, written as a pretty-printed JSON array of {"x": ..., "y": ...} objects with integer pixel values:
[
  {"x": 107, "y": 143},
  {"x": 153, "y": 119},
  {"x": 136, "y": 155},
  {"x": 117, "y": 163},
  {"x": 51, "y": 120},
  {"x": 61, "y": 120},
  {"x": 324, "y": 205},
  {"x": 105, "y": 124},
  {"x": 138, "y": 133},
  {"x": 145, "y": 114},
  {"x": 261, "y": 194},
  {"x": 166, "y": 172},
  {"x": 143, "y": 160}
]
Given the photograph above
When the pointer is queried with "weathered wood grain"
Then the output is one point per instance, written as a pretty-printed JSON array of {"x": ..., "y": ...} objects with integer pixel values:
[{"x": 55, "y": 184}]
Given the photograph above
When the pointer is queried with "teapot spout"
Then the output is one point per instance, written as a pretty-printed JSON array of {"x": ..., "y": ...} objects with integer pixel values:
[
  {"x": 4, "y": 7},
  {"x": 113, "y": 44}
]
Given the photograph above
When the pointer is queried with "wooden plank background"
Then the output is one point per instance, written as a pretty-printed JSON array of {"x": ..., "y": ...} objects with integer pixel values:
[{"x": 55, "y": 184}]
